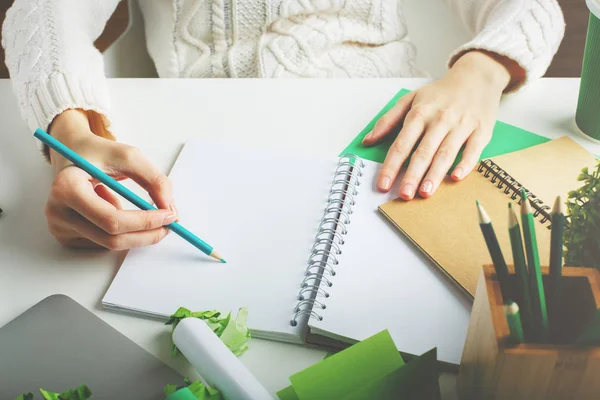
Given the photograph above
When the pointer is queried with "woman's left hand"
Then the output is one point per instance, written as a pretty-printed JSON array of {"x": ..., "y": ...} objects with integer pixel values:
[{"x": 458, "y": 109}]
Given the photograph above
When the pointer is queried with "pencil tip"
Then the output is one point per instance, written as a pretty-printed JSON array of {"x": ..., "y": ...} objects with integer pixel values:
[
  {"x": 477, "y": 202},
  {"x": 223, "y": 261},
  {"x": 558, "y": 206},
  {"x": 512, "y": 217},
  {"x": 511, "y": 307},
  {"x": 524, "y": 193},
  {"x": 484, "y": 218}
]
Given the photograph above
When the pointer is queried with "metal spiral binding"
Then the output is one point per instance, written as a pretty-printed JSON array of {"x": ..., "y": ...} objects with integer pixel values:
[
  {"x": 329, "y": 239},
  {"x": 512, "y": 187}
]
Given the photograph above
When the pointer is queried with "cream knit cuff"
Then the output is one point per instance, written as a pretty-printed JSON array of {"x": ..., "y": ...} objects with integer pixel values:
[
  {"x": 59, "y": 92},
  {"x": 509, "y": 42}
]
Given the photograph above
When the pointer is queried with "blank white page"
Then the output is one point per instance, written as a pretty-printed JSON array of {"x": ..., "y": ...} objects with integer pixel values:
[
  {"x": 260, "y": 210},
  {"x": 383, "y": 281}
]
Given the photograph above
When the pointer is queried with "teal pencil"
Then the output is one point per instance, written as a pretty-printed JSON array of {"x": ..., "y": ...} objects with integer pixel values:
[
  {"x": 522, "y": 277},
  {"x": 493, "y": 246},
  {"x": 536, "y": 285},
  {"x": 511, "y": 310},
  {"x": 95, "y": 172}
]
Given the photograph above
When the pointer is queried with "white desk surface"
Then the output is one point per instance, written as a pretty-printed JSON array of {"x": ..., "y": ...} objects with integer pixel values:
[{"x": 158, "y": 116}]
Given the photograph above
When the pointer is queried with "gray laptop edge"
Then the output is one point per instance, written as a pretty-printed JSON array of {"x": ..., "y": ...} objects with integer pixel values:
[{"x": 58, "y": 345}]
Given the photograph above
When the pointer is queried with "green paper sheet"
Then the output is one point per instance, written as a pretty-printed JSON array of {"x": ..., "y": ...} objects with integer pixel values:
[
  {"x": 340, "y": 375},
  {"x": 417, "y": 379},
  {"x": 505, "y": 139}
]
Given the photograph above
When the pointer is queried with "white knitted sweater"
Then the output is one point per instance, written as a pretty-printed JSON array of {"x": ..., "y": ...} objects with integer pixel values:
[{"x": 54, "y": 66}]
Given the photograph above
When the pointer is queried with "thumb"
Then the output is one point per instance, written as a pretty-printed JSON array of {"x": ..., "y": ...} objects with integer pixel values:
[{"x": 131, "y": 162}]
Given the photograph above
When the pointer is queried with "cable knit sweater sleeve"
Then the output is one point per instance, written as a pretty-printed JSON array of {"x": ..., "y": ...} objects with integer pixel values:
[
  {"x": 51, "y": 57},
  {"x": 526, "y": 31}
]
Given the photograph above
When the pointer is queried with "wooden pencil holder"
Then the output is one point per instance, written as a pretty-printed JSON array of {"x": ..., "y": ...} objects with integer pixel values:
[{"x": 493, "y": 368}]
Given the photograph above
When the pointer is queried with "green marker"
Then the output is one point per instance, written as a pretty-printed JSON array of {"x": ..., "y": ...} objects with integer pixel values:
[
  {"x": 522, "y": 278},
  {"x": 511, "y": 310},
  {"x": 493, "y": 246},
  {"x": 536, "y": 286}
]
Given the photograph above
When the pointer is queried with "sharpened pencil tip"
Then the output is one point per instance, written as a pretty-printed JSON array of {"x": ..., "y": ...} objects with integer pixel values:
[
  {"x": 511, "y": 307},
  {"x": 524, "y": 194},
  {"x": 484, "y": 218},
  {"x": 512, "y": 217},
  {"x": 217, "y": 256},
  {"x": 223, "y": 261},
  {"x": 558, "y": 206}
]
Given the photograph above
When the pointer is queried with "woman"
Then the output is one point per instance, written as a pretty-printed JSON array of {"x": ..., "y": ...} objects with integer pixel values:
[{"x": 58, "y": 77}]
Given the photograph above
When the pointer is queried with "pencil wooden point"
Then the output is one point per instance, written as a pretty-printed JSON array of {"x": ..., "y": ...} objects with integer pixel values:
[
  {"x": 484, "y": 218},
  {"x": 511, "y": 310},
  {"x": 525, "y": 206},
  {"x": 217, "y": 256},
  {"x": 558, "y": 206},
  {"x": 511, "y": 307},
  {"x": 513, "y": 220}
]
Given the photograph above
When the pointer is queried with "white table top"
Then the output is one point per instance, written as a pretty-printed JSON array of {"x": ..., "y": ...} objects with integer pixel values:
[{"x": 158, "y": 116}]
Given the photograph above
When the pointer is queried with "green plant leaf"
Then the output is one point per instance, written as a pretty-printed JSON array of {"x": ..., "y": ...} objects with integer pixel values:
[{"x": 582, "y": 232}]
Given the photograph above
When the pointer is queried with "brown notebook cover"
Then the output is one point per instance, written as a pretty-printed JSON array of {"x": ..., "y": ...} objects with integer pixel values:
[{"x": 445, "y": 226}]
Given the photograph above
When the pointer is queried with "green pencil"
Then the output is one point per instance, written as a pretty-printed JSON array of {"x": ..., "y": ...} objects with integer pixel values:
[
  {"x": 556, "y": 259},
  {"x": 536, "y": 286},
  {"x": 493, "y": 246},
  {"x": 516, "y": 243},
  {"x": 511, "y": 310}
]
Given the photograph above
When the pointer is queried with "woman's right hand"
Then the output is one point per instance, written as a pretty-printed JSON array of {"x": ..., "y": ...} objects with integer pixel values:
[{"x": 82, "y": 212}]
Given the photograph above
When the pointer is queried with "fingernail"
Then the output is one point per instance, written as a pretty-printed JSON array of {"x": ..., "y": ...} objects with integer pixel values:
[
  {"x": 368, "y": 136},
  {"x": 426, "y": 187},
  {"x": 169, "y": 219},
  {"x": 458, "y": 173},
  {"x": 407, "y": 190},
  {"x": 385, "y": 182},
  {"x": 174, "y": 211}
]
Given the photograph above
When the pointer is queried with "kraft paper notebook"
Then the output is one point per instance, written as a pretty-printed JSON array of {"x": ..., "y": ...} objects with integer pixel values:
[
  {"x": 307, "y": 252},
  {"x": 445, "y": 226}
]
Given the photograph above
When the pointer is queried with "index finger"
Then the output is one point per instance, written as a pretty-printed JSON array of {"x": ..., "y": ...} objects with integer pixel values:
[{"x": 86, "y": 202}]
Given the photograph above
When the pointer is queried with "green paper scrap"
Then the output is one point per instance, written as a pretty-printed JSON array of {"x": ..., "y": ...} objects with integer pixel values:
[
  {"x": 591, "y": 333},
  {"x": 287, "y": 393},
  {"x": 81, "y": 393},
  {"x": 505, "y": 139},
  {"x": 417, "y": 379},
  {"x": 337, "y": 376},
  {"x": 233, "y": 332},
  {"x": 193, "y": 390}
]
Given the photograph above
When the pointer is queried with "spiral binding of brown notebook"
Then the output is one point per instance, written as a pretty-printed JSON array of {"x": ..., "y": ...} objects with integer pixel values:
[{"x": 445, "y": 226}]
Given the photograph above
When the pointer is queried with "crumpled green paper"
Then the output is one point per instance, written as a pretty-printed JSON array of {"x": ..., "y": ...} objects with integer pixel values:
[
  {"x": 233, "y": 332},
  {"x": 198, "y": 389},
  {"x": 81, "y": 393}
]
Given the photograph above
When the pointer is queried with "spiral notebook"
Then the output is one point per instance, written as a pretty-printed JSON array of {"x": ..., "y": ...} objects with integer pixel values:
[
  {"x": 307, "y": 252},
  {"x": 445, "y": 226}
]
